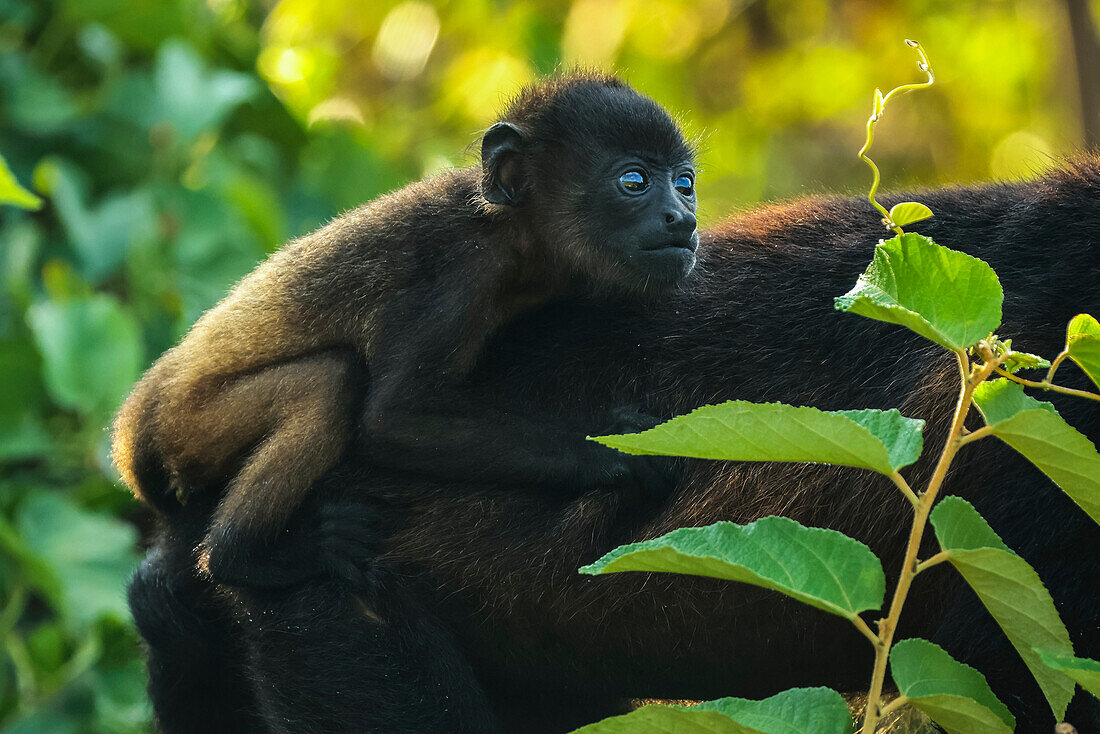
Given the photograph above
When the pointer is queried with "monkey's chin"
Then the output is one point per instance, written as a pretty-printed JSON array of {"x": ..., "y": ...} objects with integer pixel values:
[{"x": 665, "y": 267}]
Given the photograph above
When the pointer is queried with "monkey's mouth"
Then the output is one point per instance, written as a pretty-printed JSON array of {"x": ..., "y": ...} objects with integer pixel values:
[{"x": 690, "y": 245}]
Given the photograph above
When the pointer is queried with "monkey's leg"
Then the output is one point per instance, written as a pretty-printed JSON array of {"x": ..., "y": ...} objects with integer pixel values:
[
  {"x": 196, "y": 681},
  {"x": 326, "y": 660},
  {"x": 306, "y": 405}
]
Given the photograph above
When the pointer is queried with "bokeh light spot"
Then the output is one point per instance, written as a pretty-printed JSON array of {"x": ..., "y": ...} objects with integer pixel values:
[
  {"x": 479, "y": 82},
  {"x": 284, "y": 66},
  {"x": 405, "y": 40},
  {"x": 1020, "y": 155},
  {"x": 594, "y": 31},
  {"x": 336, "y": 109},
  {"x": 667, "y": 30}
]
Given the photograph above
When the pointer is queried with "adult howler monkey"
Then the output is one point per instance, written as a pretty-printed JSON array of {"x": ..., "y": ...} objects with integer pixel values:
[
  {"x": 474, "y": 618},
  {"x": 585, "y": 187}
]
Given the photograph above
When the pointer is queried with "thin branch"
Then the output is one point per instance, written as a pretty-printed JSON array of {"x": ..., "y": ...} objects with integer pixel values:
[
  {"x": 876, "y": 114},
  {"x": 1044, "y": 385},
  {"x": 933, "y": 561},
  {"x": 894, "y": 705},
  {"x": 1054, "y": 365},
  {"x": 906, "y": 490},
  {"x": 889, "y": 625},
  {"x": 865, "y": 630},
  {"x": 976, "y": 435},
  {"x": 964, "y": 364}
]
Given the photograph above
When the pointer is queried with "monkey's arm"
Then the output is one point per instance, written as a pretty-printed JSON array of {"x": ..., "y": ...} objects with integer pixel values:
[
  {"x": 425, "y": 415},
  {"x": 463, "y": 437}
]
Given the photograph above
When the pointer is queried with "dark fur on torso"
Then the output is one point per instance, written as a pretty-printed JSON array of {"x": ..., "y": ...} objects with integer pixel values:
[
  {"x": 486, "y": 575},
  {"x": 757, "y": 323}
]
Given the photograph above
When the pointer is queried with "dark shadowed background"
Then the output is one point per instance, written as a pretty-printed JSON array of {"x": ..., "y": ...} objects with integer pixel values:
[{"x": 176, "y": 142}]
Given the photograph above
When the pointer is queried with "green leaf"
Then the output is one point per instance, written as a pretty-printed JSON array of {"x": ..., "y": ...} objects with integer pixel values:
[
  {"x": 12, "y": 193},
  {"x": 908, "y": 212},
  {"x": 1083, "y": 670},
  {"x": 943, "y": 295},
  {"x": 667, "y": 720},
  {"x": 1035, "y": 429},
  {"x": 797, "y": 711},
  {"x": 35, "y": 102},
  {"x": 121, "y": 700},
  {"x": 883, "y": 441},
  {"x": 213, "y": 249},
  {"x": 191, "y": 97},
  {"x": 23, "y": 433},
  {"x": 822, "y": 568},
  {"x": 101, "y": 235},
  {"x": 1010, "y": 589},
  {"x": 1024, "y": 361},
  {"x": 1082, "y": 325},
  {"x": 92, "y": 555},
  {"x": 1083, "y": 343},
  {"x": 954, "y": 695},
  {"x": 92, "y": 352}
]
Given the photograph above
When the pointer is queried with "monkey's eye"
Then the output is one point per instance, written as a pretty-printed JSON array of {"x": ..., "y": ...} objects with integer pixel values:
[
  {"x": 685, "y": 186},
  {"x": 634, "y": 182}
]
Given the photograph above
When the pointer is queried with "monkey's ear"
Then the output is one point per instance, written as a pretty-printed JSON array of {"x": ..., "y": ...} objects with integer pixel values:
[{"x": 502, "y": 165}]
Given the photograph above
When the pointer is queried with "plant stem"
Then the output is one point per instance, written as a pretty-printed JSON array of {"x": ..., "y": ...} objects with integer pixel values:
[
  {"x": 24, "y": 669},
  {"x": 13, "y": 610},
  {"x": 976, "y": 435},
  {"x": 1054, "y": 365},
  {"x": 903, "y": 485},
  {"x": 880, "y": 107},
  {"x": 864, "y": 629},
  {"x": 933, "y": 561},
  {"x": 1045, "y": 385},
  {"x": 897, "y": 703},
  {"x": 888, "y": 626},
  {"x": 876, "y": 177}
]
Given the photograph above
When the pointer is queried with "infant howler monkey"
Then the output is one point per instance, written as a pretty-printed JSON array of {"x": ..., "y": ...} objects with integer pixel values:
[{"x": 585, "y": 187}]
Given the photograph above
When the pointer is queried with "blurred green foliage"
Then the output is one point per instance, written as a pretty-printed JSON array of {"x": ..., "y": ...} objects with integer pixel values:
[{"x": 175, "y": 142}]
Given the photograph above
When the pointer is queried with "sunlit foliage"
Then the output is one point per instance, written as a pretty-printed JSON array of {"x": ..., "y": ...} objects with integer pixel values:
[{"x": 176, "y": 142}]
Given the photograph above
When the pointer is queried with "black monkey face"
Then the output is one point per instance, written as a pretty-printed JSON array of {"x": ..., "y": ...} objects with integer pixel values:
[
  {"x": 637, "y": 222},
  {"x": 604, "y": 178}
]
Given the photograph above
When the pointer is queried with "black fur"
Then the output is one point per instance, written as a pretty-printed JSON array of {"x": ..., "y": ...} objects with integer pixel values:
[
  {"x": 496, "y": 568},
  {"x": 271, "y": 386}
]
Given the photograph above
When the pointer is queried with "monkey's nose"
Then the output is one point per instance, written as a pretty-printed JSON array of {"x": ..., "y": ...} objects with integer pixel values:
[{"x": 680, "y": 221}]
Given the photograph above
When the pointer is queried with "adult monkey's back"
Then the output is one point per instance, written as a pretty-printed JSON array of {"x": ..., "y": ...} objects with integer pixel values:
[
  {"x": 497, "y": 568},
  {"x": 758, "y": 324}
]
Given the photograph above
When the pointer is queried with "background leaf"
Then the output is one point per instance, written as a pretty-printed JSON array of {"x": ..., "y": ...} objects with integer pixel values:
[
  {"x": 1010, "y": 589},
  {"x": 91, "y": 349},
  {"x": 191, "y": 97},
  {"x": 954, "y": 695},
  {"x": 1083, "y": 343},
  {"x": 882, "y": 441},
  {"x": 943, "y": 295},
  {"x": 797, "y": 711},
  {"x": 12, "y": 193},
  {"x": 822, "y": 568},
  {"x": 101, "y": 235},
  {"x": 91, "y": 554},
  {"x": 1035, "y": 429},
  {"x": 1083, "y": 670},
  {"x": 909, "y": 212},
  {"x": 143, "y": 98}
]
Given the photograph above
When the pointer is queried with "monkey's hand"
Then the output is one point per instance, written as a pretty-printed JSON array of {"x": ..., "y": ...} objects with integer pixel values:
[
  {"x": 348, "y": 539},
  {"x": 640, "y": 478},
  {"x": 327, "y": 538}
]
